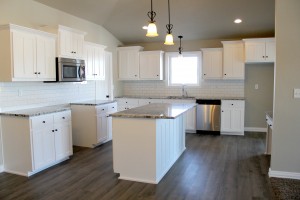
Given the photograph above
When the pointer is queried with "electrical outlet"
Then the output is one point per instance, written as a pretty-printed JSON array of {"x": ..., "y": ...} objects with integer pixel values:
[
  {"x": 296, "y": 93},
  {"x": 256, "y": 86}
]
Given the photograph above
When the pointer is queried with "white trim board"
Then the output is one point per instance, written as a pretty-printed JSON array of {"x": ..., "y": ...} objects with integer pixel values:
[
  {"x": 282, "y": 174},
  {"x": 1, "y": 168},
  {"x": 255, "y": 129}
]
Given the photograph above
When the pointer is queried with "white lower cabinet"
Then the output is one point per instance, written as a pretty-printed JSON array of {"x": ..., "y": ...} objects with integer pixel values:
[
  {"x": 232, "y": 117},
  {"x": 36, "y": 143},
  {"x": 92, "y": 124}
]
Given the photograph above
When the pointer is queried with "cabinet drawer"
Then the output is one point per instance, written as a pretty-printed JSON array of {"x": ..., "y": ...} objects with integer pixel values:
[
  {"x": 101, "y": 109},
  {"x": 236, "y": 104},
  {"x": 128, "y": 101},
  {"x": 43, "y": 121},
  {"x": 112, "y": 107},
  {"x": 62, "y": 117}
]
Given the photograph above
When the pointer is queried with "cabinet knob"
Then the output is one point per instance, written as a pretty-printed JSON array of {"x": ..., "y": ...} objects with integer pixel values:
[
  {"x": 63, "y": 118},
  {"x": 35, "y": 72},
  {"x": 204, "y": 74},
  {"x": 52, "y": 131},
  {"x": 157, "y": 75},
  {"x": 103, "y": 109},
  {"x": 113, "y": 107},
  {"x": 267, "y": 56},
  {"x": 225, "y": 74},
  {"x": 222, "y": 111},
  {"x": 232, "y": 104},
  {"x": 44, "y": 122},
  {"x": 55, "y": 129},
  {"x": 263, "y": 56},
  {"x": 39, "y": 72},
  {"x": 135, "y": 75},
  {"x": 74, "y": 51},
  {"x": 96, "y": 74}
]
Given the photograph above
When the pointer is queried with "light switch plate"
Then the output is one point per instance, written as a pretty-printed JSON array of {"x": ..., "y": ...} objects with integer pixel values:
[{"x": 296, "y": 93}]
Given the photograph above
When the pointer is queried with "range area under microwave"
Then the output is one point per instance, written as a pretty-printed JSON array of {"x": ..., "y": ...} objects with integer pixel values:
[{"x": 70, "y": 70}]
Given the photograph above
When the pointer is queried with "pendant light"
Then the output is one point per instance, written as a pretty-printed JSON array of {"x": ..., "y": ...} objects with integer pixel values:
[
  {"x": 169, "y": 36},
  {"x": 151, "y": 30},
  {"x": 180, "y": 47}
]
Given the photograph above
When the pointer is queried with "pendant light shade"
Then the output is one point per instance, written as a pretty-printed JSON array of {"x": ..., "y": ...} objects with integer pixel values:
[
  {"x": 152, "y": 30},
  {"x": 169, "y": 36},
  {"x": 169, "y": 40}
]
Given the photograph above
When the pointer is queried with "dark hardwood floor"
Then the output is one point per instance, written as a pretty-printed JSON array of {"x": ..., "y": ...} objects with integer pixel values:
[{"x": 212, "y": 167}]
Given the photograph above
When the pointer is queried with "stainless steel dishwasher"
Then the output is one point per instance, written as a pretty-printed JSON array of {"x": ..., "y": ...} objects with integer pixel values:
[{"x": 208, "y": 116}]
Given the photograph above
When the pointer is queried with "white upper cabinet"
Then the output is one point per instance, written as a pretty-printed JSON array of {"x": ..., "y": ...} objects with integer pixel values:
[
  {"x": 128, "y": 62},
  {"x": 233, "y": 60},
  {"x": 260, "y": 50},
  {"x": 26, "y": 54},
  {"x": 212, "y": 63},
  {"x": 94, "y": 56},
  {"x": 70, "y": 42},
  {"x": 151, "y": 65}
]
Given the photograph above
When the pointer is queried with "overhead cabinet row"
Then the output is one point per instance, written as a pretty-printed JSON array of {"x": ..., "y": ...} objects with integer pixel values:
[
  {"x": 29, "y": 55},
  {"x": 135, "y": 64},
  {"x": 229, "y": 62}
]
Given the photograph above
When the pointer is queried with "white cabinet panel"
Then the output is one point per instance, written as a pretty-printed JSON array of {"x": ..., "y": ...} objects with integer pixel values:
[
  {"x": 27, "y": 54},
  {"x": 260, "y": 50},
  {"x": 233, "y": 60},
  {"x": 95, "y": 61},
  {"x": 212, "y": 63},
  {"x": 232, "y": 117},
  {"x": 36, "y": 143},
  {"x": 91, "y": 124},
  {"x": 151, "y": 65},
  {"x": 128, "y": 62}
]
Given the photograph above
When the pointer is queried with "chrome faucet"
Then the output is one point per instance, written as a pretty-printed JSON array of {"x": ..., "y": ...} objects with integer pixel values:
[{"x": 183, "y": 91}]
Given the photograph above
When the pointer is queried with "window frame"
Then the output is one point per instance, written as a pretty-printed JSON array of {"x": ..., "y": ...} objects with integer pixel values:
[{"x": 169, "y": 55}]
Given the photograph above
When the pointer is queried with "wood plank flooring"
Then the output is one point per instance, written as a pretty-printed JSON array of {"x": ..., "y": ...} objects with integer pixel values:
[{"x": 212, "y": 167}]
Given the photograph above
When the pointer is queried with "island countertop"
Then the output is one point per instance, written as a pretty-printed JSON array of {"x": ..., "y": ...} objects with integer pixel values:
[
  {"x": 156, "y": 111},
  {"x": 93, "y": 102}
]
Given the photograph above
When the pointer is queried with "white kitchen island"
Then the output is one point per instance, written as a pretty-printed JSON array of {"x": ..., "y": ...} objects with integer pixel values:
[{"x": 148, "y": 140}]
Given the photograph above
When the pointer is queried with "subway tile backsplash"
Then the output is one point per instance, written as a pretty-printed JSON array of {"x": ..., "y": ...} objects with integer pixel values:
[
  {"x": 207, "y": 89},
  {"x": 21, "y": 95}
]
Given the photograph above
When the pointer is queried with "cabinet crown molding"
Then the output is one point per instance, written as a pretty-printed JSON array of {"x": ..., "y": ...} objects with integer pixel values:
[
  {"x": 137, "y": 48},
  {"x": 272, "y": 39}
]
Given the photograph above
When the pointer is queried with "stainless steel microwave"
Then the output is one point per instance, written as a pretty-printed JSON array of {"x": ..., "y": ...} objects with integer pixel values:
[{"x": 70, "y": 70}]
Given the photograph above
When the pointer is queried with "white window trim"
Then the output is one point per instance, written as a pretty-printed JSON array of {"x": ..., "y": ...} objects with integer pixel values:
[{"x": 169, "y": 55}]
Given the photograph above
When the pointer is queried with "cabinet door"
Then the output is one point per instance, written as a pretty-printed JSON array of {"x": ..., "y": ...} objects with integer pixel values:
[
  {"x": 109, "y": 128},
  {"x": 128, "y": 65},
  {"x": 226, "y": 120},
  {"x": 24, "y": 55},
  {"x": 237, "y": 120},
  {"x": 212, "y": 64},
  {"x": 45, "y": 58},
  {"x": 77, "y": 45},
  {"x": 270, "y": 51},
  {"x": 151, "y": 65},
  {"x": 234, "y": 66},
  {"x": 89, "y": 62},
  {"x": 102, "y": 133},
  {"x": 65, "y": 43},
  {"x": 63, "y": 144},
  {"x": 255, "y": 51},
  {"x": 191, "y": 119},
  {"x": 99, "y": 68},
  {"x": 43, "y": 144}
]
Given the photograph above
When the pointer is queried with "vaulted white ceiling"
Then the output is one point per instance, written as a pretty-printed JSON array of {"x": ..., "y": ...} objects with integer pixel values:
[{"x": 194, "y": 19}]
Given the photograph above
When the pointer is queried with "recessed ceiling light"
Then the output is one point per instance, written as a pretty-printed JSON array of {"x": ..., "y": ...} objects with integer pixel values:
[
  {"x": 145, "y": 27},
  {"x": 237, "y": 21}
]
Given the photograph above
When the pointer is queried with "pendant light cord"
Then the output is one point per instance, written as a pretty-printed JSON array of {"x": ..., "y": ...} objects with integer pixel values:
[{"x": 169, "y": 26}]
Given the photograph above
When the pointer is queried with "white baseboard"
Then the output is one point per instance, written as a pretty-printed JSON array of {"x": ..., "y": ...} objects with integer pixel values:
[
  {"x": 282, "y": 174},
  {"x": 255, "y": 129},
  {"x": 232, "y": 133}
]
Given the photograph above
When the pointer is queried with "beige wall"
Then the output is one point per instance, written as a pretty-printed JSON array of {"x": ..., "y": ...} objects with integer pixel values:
[
  {"x": 258, "y": 101},
  {"x": 286, "y": 130},
  {"x": 35, "y": 15}
]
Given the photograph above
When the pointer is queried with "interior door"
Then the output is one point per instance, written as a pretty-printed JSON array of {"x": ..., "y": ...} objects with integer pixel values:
[{"x": 104, "y": 87}]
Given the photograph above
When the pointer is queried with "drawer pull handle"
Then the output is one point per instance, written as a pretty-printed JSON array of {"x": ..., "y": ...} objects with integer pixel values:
[
  {"x": 63, "y": 117},
  {"x": 44, "y": 122},
  {"x": 103, "y": 109},
  {"x": 232, "y": 104},
  {"x": 113, "y": 107},
  {"x": 55, "y": 129}
]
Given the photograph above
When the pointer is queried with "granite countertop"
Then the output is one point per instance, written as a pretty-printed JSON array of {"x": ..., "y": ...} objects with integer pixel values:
[
  {"x": 93, "y": 102},
  {"x": 156, "y": 111},
  {"x": 37, "y": 111},
  {"x": 183, "y": 98}
]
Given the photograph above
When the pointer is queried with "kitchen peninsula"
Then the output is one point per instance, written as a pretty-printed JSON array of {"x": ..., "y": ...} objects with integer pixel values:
[{"x": 148, "y": 140}]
